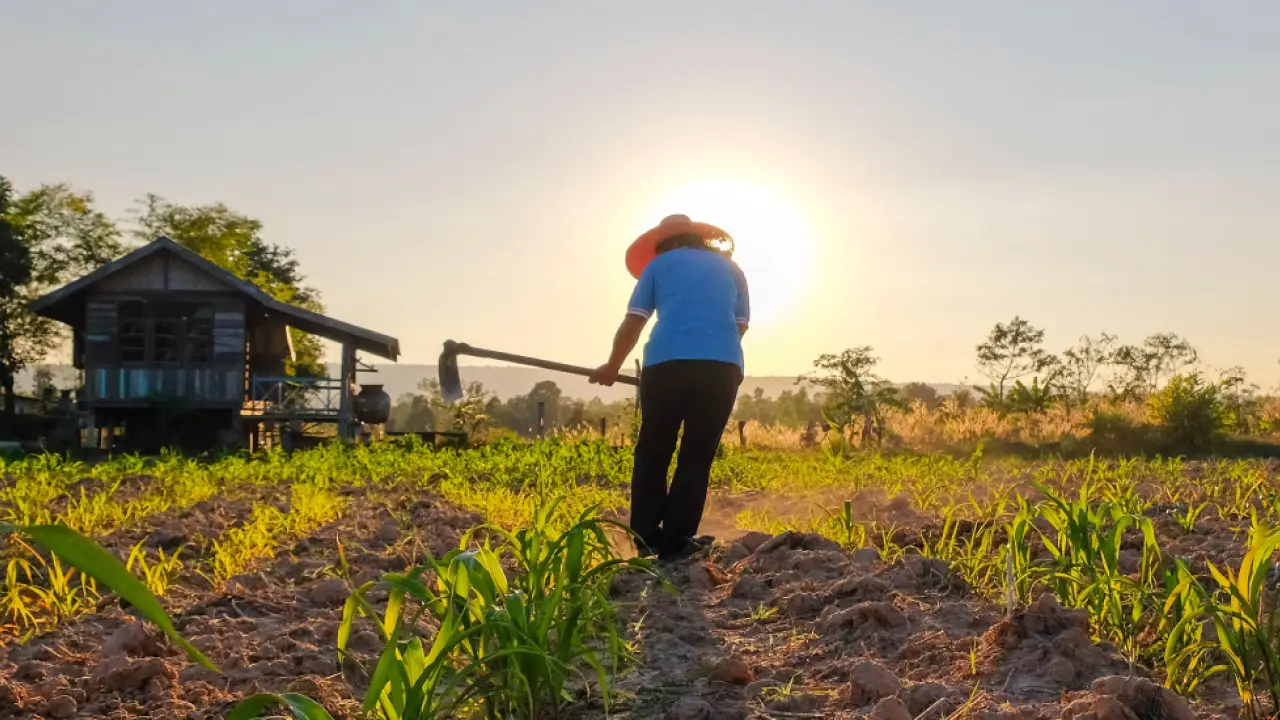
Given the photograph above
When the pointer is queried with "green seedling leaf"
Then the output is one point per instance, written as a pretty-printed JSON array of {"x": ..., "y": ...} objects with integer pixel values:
[
  {"x": 303, "y": 708},
  {"x": 87, "y": 556}
]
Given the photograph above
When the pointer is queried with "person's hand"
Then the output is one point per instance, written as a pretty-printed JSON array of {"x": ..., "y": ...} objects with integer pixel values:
[{"x": 605, "y": 375}]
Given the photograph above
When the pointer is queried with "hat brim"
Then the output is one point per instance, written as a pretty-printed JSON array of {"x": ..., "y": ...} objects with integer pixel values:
[{"x": 645, "y": 248}]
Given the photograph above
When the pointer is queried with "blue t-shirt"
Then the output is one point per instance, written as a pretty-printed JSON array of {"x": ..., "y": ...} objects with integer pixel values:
[{"x": 700, "y": 297}]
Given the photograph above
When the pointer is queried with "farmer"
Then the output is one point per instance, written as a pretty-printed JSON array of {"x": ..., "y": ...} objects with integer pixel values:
[{"x": 692, "y": 369}]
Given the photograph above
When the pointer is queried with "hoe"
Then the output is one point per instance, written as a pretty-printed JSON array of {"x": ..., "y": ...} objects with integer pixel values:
[{"x": 451, "y": 382}]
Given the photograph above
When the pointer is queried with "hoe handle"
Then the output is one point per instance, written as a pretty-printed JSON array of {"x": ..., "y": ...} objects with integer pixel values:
[{"x": 465, "y": 349}]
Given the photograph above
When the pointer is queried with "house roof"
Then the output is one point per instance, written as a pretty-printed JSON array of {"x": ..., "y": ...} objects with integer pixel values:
[{"x": 59, "y": 304}]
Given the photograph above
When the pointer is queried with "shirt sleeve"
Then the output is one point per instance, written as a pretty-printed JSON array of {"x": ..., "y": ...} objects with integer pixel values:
[
  {"x": 644, "y": 299},
  {"x": 741, "y": 308}
]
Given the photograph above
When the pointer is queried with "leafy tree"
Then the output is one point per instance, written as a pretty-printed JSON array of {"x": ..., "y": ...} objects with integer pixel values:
[
  {"x": 46, "y": 391},
  {"x": 233, "y": 241},
  {"x": 412, "y": 413},
  {"x": 1142, "y": 369},
  {"x": 1011, "y": 352},
  {"x": 15, "y": 259},
  {"x": 1080, "y": 365},
  {"x": 851, "y": 388},
  {"x": 62, "y": 236},
  {"x": 1033, "y": 398},
  {"x": 920, "y": 392}
]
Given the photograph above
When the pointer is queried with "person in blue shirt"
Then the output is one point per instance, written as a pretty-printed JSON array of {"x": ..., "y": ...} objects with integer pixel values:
[{"x": 692, "y": 369}]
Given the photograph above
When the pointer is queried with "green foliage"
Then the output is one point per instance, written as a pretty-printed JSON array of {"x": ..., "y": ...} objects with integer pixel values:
[
  {"x": 1080, "y": 366},
  {"x": 792, "y": 409},
  {"x": 89, "y": 558},
  {"x": 1011, "y": 352},
  {"x": 1034, "y": 398},
  {"x": 15, "y": 257},
  {"x": 505, "y": 647},
  {"x": 301, "y": 707},
  {"x": 1087, "y": 569},
  {"x": 1190, "y": 413},
  {"x": 1246, "y": 620},
  {"x": 1142, "y": 368},
  {"x": 851, "y": 388},
  {"x": 920, "y": 392},
  {"x": 61, "y": 236}
]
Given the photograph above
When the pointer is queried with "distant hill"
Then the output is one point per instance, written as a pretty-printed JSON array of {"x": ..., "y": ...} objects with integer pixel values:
[{"x": 503, "y": 380}]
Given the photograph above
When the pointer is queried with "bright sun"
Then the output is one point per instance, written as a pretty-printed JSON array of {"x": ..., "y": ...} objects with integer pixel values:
[{"x": 771, "y": 242}]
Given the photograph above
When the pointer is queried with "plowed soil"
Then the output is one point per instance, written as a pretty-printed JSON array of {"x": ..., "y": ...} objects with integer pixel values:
[{"x": 786, "y": 626}]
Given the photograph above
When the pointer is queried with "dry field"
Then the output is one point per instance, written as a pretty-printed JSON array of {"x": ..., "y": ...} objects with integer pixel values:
[{"x": 843, "y": 584}]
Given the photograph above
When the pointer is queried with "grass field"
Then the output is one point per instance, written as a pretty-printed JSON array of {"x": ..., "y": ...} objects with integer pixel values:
[{"x": 844, "y": 583}]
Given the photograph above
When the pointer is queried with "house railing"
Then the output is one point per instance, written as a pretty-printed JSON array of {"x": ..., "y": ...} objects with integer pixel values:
[{"x": 294, "y": 397}]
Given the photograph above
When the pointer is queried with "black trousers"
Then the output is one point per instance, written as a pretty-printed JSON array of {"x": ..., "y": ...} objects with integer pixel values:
[{"x": 698, "y": 394}]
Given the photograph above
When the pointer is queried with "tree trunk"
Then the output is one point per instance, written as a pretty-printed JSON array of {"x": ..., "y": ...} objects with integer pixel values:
[{"x": 10, "y": 404}]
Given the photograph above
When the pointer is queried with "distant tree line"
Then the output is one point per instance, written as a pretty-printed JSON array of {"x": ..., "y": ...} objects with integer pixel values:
[
  {"x": 845, "y": 390},
  {"x": 480, "y": 410}
]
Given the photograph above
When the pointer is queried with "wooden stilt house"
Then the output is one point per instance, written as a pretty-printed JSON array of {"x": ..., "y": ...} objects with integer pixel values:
[{"x": 176, "y": 350}]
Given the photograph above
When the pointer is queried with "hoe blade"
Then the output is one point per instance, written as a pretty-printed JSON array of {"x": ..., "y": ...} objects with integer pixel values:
[{"x": 450, "y": 380}]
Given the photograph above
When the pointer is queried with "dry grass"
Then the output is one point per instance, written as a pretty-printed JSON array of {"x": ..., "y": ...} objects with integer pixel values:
[{"x": 952, "y": 427}]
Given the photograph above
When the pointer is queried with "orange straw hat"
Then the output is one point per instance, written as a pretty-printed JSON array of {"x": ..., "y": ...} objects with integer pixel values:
[{"x": 645, "y": 247}]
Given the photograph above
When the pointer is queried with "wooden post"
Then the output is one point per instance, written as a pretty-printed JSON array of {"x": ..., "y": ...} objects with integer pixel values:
[
  {"x": 542, "y": 415},
  {"x": 742, "y": 433},
  {"x": 604, "y": 428},
  {"x": 346, "y": 426}
]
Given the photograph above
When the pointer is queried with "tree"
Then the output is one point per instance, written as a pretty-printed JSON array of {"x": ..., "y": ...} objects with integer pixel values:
[
  {"x": 851, "y": 388},
  {"x": 920, "y": 392},
  {"x": 1142, "y": 369},
  {"x": 412, "y": 413},
  {"x": 233, "y": 241},
  {"x": 1080, "y": 366},
  {"x": 15, "y": 259},
  {"x": 1011, "y": 352},
  {"x": 45, "y": 391},
  {"x": 62, "y": 236}
]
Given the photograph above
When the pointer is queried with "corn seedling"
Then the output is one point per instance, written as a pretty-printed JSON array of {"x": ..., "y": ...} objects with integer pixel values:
[
  {"x": 157, "y": 574},
  {"x": 506, "y": 647}
]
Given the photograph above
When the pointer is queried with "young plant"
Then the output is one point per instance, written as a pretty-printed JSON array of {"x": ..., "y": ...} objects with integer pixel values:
[
  {"x": 1246, "y": 622},
  {"x": 506, "y": 647}
]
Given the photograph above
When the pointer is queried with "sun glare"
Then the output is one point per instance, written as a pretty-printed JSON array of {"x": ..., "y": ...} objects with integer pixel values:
[{"x": 771, "y": 241}]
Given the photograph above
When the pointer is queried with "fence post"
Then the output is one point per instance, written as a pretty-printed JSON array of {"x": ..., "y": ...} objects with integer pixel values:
[
  {"x": 542, "y": 410},
  {"x": 742, "y": 433},
  {"x": 604, "y": 428}
]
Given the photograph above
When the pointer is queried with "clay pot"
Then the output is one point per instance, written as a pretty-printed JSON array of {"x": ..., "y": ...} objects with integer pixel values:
[{"x": 373, "y": 405}]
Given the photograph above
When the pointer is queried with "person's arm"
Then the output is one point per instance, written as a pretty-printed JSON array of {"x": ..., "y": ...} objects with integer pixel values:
[
  {"x": 624, "y": 341},
  {"x": 742, "y": 308},
  {"x": 639, "y": 310}
]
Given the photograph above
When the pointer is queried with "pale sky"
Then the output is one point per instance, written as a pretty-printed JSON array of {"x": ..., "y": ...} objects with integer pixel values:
[{"x": 899, "y": 174}]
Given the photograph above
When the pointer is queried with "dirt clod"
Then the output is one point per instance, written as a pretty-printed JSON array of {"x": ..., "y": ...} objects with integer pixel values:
[
  {"x": 870, "y": 682},
  {"x": 1145, "y": 699},
  {"x": 891, "y": 708},
  {"x": 62, "y": 706},
  {"x": 130, "y": 639},
  {"x": 732, "y": 671},
  {"x": 329, "y": 592},
  {"x": 122, "y": 673}
]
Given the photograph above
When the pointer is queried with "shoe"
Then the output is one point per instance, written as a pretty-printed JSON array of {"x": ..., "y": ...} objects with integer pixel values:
[
  {"x": 691, "y": 547},
  {"x": 644, "y": 550}
]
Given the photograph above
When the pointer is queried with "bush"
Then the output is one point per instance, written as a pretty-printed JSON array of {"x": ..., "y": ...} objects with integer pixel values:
[
  {"x": 1114, "y": 431},
  {"x": 1190, "y": 413}
]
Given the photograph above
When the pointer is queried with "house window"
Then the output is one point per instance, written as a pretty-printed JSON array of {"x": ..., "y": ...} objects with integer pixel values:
[
  {"x": 165, "y": 333},
  {"x": 133, "y": 332}
]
